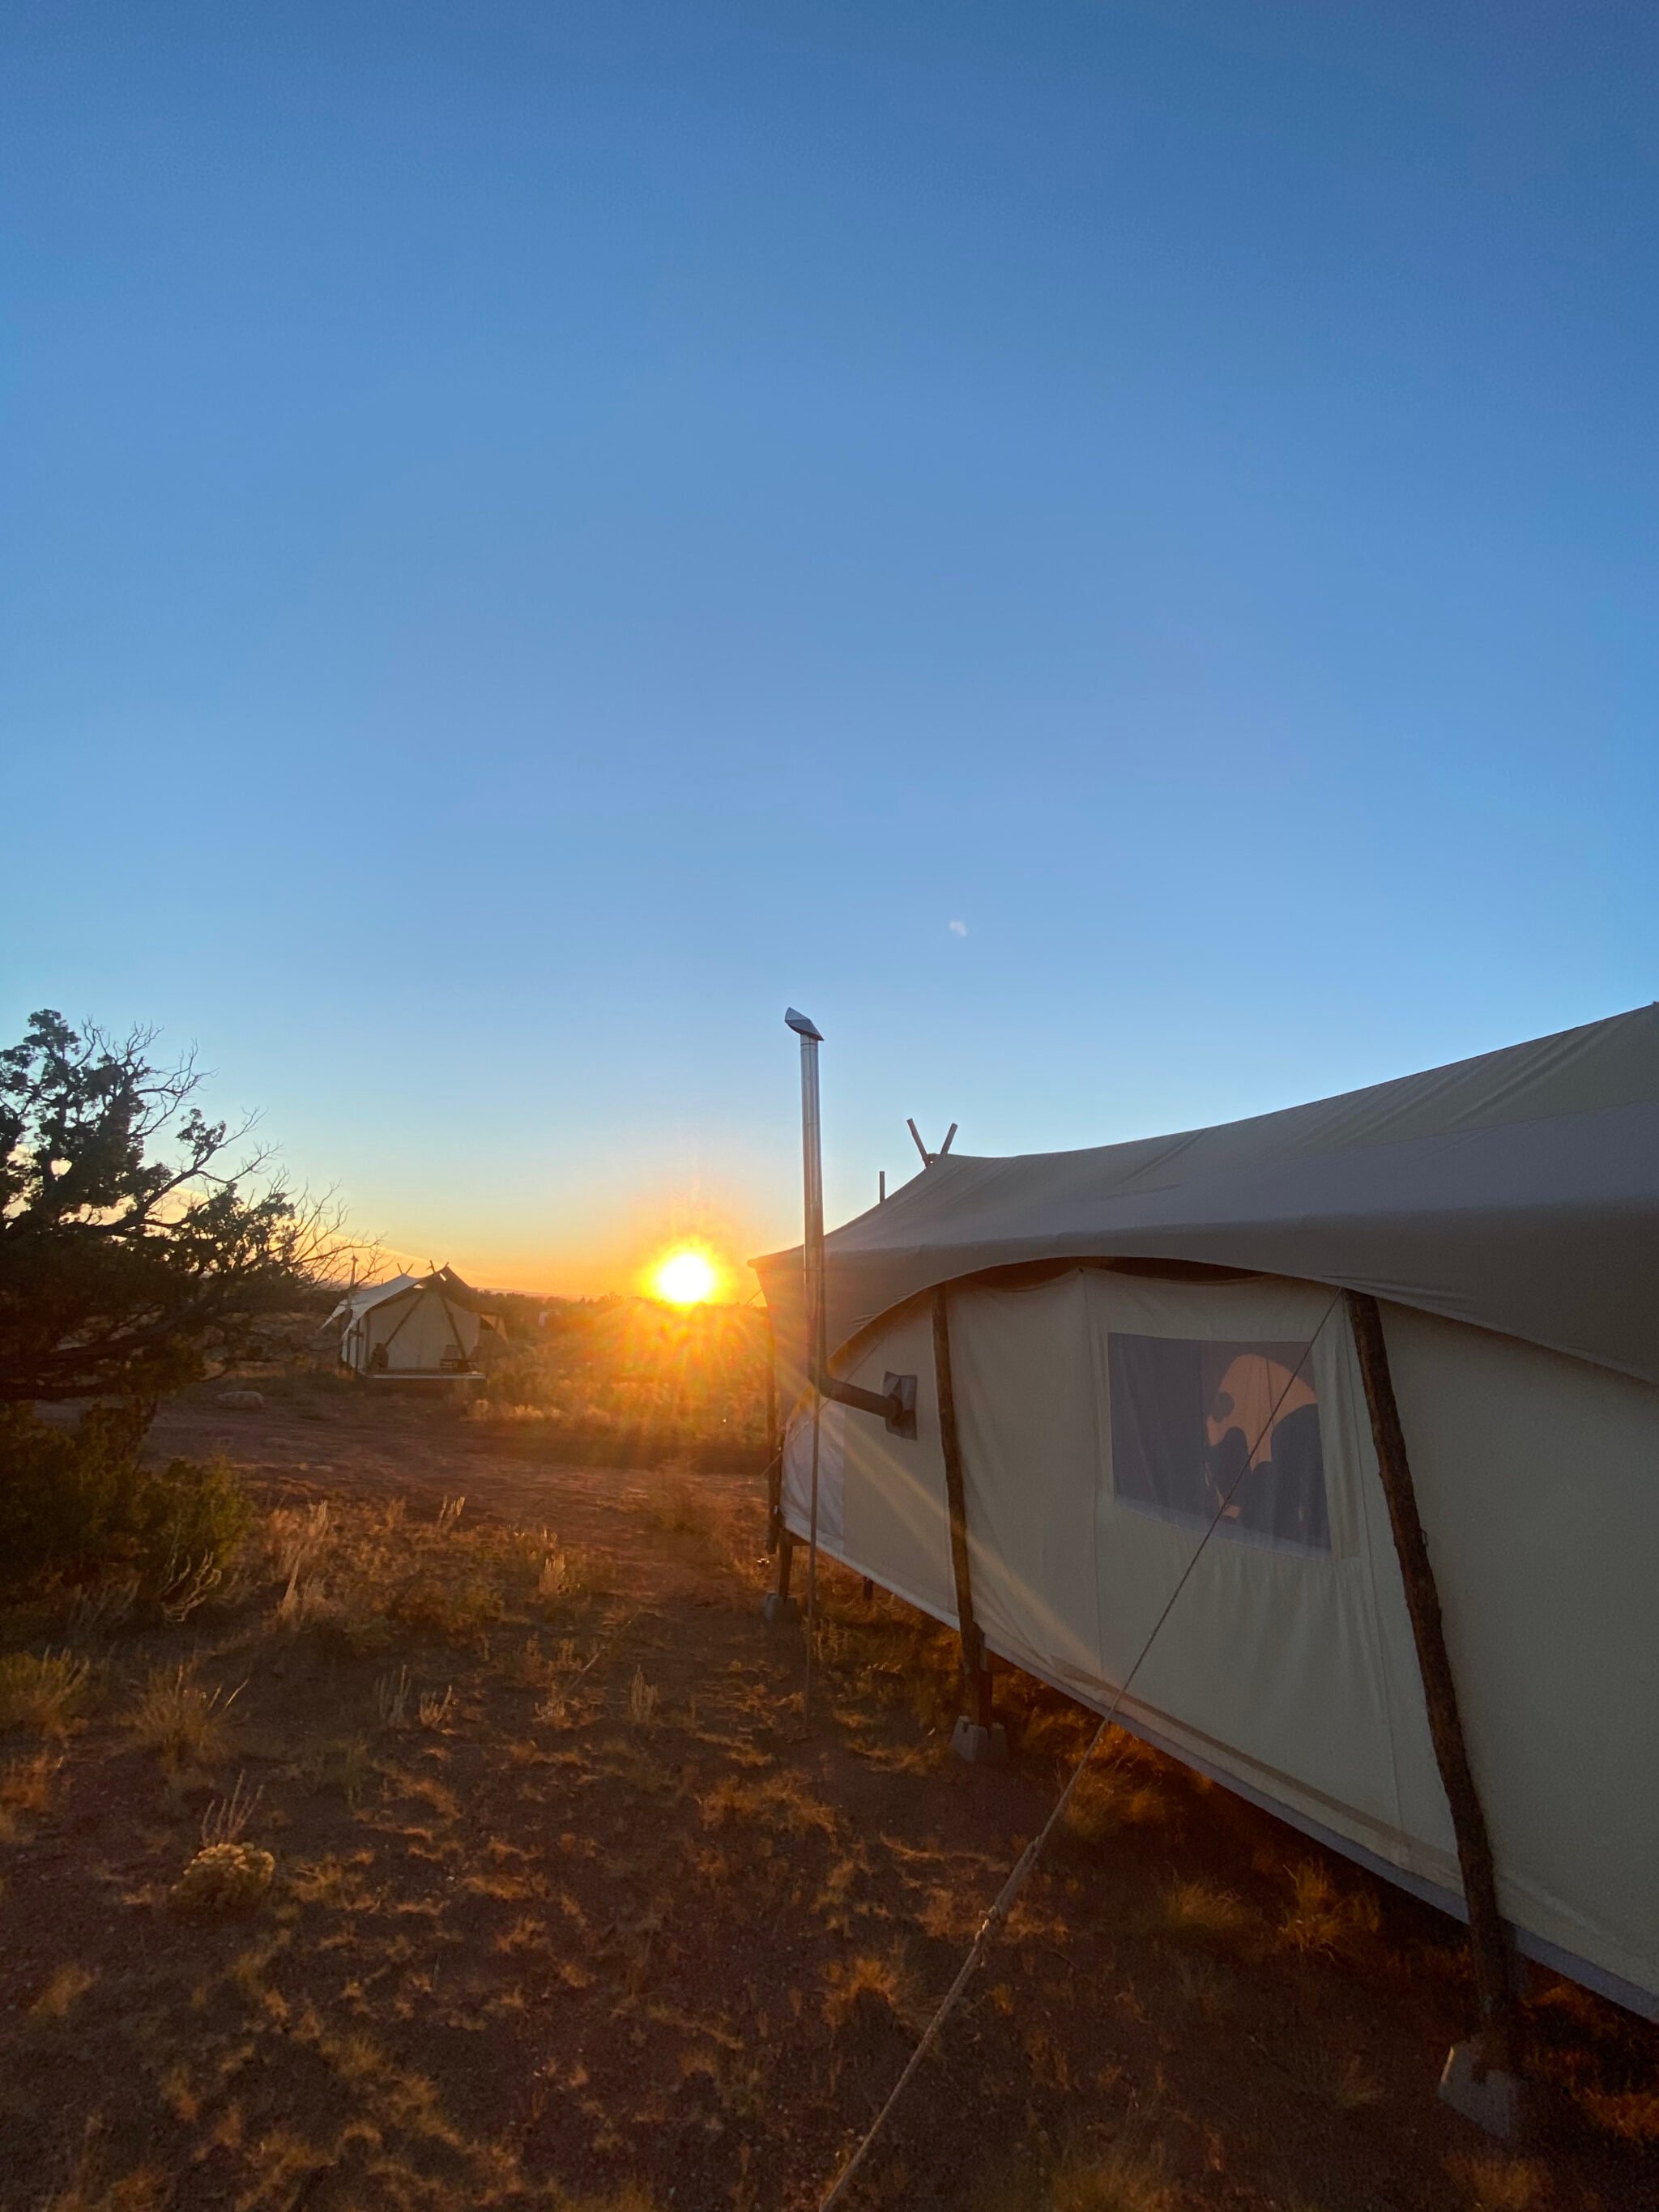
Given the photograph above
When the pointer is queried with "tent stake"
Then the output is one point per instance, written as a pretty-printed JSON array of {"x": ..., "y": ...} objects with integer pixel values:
[
  {"x": 977, "y": 1735},
  {"x": 1467, "y": 2081}
]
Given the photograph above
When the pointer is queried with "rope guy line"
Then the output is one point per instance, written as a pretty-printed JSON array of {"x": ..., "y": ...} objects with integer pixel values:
[{"x": 1006, "y": 1897}]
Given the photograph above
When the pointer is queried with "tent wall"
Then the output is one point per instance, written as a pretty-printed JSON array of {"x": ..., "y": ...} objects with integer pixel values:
[
  {"x": 1288, "y": 1667},
  {"x": 418, "y": 1333},
  {"x": 1538, "y": 1481}
]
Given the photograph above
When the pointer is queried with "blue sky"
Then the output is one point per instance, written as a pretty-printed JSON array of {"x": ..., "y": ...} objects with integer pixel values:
[{"x": 536, "y": 534}]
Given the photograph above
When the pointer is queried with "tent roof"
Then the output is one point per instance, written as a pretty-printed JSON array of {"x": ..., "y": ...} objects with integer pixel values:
[
  {"x": 1518, "y": 1191},
  {"x": 364, "y": 1295},
  {"x": 444, "y": 1280}
]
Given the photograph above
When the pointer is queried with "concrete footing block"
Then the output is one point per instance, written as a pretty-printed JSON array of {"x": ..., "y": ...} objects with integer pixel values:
[
  {"x": 980, "y": 1746},
  {"x": 779, "y": 1611},
  {"x": 1495, "y": 2102}
]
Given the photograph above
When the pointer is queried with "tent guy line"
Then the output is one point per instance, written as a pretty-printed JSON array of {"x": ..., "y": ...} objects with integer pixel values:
[
  {"x": 1426, "y": 1594},
  {"x": 1025, "y": 1865}
]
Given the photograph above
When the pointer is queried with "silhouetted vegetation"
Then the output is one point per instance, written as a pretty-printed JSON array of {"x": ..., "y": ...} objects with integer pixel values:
[
  {"x": 133, "y": 1254},
  {"x": 633, "y": 1370},
  {"x": 79, "y": 1503}
]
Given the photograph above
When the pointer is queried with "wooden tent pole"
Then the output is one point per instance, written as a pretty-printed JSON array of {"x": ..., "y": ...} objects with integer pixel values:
[
  {"x": 774, "y": 1442},
  {"x": 975, "y": 1674},
  {"x": 1489, "y": 1940}
]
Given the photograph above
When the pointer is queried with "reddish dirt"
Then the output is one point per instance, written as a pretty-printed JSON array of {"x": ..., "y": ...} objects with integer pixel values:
[{"x": 523, "y": 1950}]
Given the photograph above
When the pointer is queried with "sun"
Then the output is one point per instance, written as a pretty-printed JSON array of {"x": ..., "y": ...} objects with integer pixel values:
[{"x": 685, "y": 1278}]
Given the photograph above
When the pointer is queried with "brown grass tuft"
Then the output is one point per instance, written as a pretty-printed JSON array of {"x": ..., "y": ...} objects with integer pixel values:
[
  {"x": 1330, "y": 2076},
  {"x": 1631, "y": 2115},
  {"x": 867, "y": 1984},
  {"x": 1111, "y": 1796},
  {"x": 226, "y": 1819},
  {"x": 1198, "y": 1911},
  {"x": 1127, "y": 2177},
  {"x": 66, "y": 1986},
  {"x": 776, "y": 1801},
  {"x": 641, "y": 1701},
  {"x": 90, "y": 2188},
  {"x": 1323, "y": 1921},
  {"x": 1494, "y": 2182},
  {"x": 26, "y": 1785},
  {"x": 45, "y": 1692},
  {"x": 180, "y": 1719}
]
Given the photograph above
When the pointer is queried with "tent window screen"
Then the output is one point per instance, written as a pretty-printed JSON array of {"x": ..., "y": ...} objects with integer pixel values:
[{"x": 1195, "y": 1424}]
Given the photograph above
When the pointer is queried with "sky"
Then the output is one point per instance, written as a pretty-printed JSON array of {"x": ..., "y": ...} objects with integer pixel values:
[{"x": 1105, "y": 551}]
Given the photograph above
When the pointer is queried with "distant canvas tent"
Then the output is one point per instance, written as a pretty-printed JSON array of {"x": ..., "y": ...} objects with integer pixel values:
[
  {"x": 415, "y": 1328},
  {"x": 1147, "y": 1336}
]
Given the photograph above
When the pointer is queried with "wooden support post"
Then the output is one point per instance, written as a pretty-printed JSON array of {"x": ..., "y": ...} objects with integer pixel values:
[
  {"x": 1489, "y": 1940},
  {"x": 778, "y": 1608},
  {"x": 975, "y": 1674},
  {"x": 773, "y": 1445}
]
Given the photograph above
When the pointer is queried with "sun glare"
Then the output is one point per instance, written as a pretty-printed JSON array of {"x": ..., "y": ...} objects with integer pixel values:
[{"x": 685, "y": 1278}]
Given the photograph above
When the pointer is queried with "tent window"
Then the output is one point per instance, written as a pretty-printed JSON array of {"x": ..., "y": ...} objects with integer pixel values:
[{"x": 1194, "y": 1423}]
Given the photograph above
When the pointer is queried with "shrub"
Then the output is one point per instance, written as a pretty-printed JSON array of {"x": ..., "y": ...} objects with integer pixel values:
[
  {"x": 224, "y": 1878},
  {"x": 76, "y": 1503}
]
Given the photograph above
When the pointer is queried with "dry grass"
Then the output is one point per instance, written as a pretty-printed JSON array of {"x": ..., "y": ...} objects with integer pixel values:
[
  {"x": 692, "y": 1952},
  {"x": 89, "y": 2187},
  {"x": 642, "y": 1698},
  {"x": 1206, "y": 1991},
  {"x": 437, "y": 1712},
  {"x": 342, "y": 1763},
  {"x": 227, "y": 1819},
  {"x": 100, "y": 1610},
  {"x": 679, "y": 1507},
  {"x": 781, "y": 1801},
  {"x": 632, "y": 2197},
  {"x": 391, "y": 1695},
  {"x": 1630, "y": 2115},
  {"x": 560, "y": 1573},
  {"x": 67, "y": 1985},
  {"x": 1128, "y": 2177},
  {"x": 1492, "y": 2183},
  {"x": 1324, "y": 1921},
  {"x": 183, "y": 1721},
  {"x": 1198, "y": 1911},
  {"x": 1112, "y": 1795},
  {"x": 26, "y": 1785},
  {"x": 870, "y": 1983},
  {"x": 1330, "y": 2075},
  {"x": 46, "y": 1693}
]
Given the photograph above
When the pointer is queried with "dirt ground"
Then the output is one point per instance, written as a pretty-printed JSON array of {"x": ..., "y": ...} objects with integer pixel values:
[{"x": 568, "y": 1902}]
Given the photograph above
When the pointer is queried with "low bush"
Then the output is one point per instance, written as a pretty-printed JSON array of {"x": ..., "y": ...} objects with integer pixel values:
[
  {"x": 79, "y": 1504},
  {"x": 224, "y": 1878}
]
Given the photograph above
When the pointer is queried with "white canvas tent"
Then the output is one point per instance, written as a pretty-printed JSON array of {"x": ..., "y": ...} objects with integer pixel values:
[
  {"x": 1142, "y": 1332},
  {"x": 413, "y": 1328}
]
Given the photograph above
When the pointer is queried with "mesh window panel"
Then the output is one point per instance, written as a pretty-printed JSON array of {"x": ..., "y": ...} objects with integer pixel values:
[{"x": 1194, "y": 1423}]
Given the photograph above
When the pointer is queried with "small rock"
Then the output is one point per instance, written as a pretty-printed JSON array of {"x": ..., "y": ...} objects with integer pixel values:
[{"x": 243, "y": 1401}]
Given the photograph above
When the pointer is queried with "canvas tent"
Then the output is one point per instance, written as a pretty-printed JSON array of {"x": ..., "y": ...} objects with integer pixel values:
[
  {"x": 1142, "y": 1332},
  {"x": 423, "y": 1328}
]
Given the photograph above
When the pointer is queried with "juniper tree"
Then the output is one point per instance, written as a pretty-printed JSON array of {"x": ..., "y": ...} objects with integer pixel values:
[{"x": 133, "y": 1253}]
